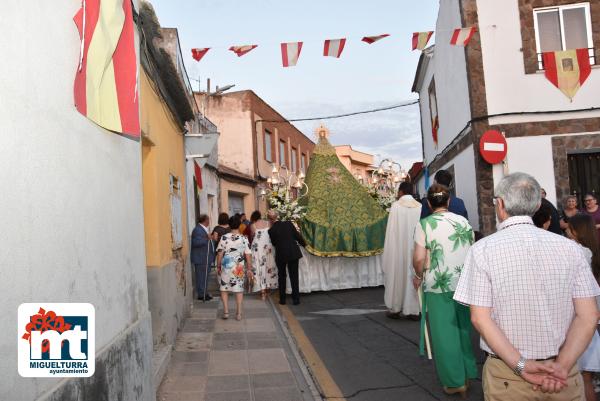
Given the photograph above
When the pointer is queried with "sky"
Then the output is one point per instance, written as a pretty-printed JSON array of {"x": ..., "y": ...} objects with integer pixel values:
[{"x": 364, "y": 78}]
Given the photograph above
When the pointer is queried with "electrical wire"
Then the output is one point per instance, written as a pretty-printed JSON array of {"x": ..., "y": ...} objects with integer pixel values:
[{"x": 291, "y": 120}]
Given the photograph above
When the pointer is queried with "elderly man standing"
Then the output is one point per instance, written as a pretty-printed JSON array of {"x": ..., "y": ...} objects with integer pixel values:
[
  {"x": 202, "y": 255},
  {"x": 532, "y": 299},
  {"x": 400, "y": 296}
]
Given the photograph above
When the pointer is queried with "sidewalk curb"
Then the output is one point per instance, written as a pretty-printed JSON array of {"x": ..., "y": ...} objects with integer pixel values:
[{"x": 308, "y": 376}]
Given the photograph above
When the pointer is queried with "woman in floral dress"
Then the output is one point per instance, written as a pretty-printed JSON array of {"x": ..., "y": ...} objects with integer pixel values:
[
  {"x": 441, "y": 244},
  {"x": 233, "y": 264},
  {"x": 263, "y": 257}
]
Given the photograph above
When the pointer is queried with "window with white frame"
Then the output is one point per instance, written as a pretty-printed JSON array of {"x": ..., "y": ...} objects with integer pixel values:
[
  {"x": 294, "y": 159},
  {"x": 268, "y": 147},
  {"x": 303, "y": 163},
  {"x": 565, "y": 27},
  {"x": 176, "y": 213},
  {"x": 282, "y": 158}
]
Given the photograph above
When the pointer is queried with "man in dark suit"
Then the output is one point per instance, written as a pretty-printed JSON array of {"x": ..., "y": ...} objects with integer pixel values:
[
  {"x": 285, "y": 239},
  {"x": 457, "y": 206},
  {"x": 202, "y": 255}
]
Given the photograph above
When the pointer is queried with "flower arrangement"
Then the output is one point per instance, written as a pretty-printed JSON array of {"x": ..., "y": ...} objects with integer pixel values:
[
  {"x": 383, "y": 198},
  {"x": 288, "y": 208}
]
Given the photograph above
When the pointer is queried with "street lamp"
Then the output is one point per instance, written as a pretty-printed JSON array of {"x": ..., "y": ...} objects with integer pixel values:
[
  {"x": 286, "y": 181},
  {"x": 388, "y": 175}
]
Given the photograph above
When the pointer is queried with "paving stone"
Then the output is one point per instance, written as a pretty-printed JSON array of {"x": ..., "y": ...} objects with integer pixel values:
[
  {"x": 181, "y": 396},
  {"x": 187, "y": 369},
  {"x": 216, "y": 384},
  {"x": 193, "y": 341},
  {"x": 207, "y": 327},
  {"x": 203, "y": 313},
  {"x": 230, "y": 396},
  {"x": 263, "y": 344},
  {"x": 261, "y": 335},
  {"x": 278, "y": 394},
  {"x": 261, "y": 324},
  {"x": 267, "y": 361},
  {"x": 229, "y": 326},
  {"x": 229, "y": 345},
  {"x": 228, "y": 363},
  {"x": 197, "y": 356},
  {"x": 253, "y": 313},
  {"x": 229, "y": 336},
  {"x": 181, "y": 384},
  {"x": 265, "y": 380}
]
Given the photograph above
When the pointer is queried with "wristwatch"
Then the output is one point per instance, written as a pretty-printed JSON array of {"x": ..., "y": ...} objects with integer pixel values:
[{"x": 520, "y": 366}]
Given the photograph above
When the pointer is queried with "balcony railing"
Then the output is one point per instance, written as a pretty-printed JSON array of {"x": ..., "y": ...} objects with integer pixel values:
[{"x": 591, "y": 52}]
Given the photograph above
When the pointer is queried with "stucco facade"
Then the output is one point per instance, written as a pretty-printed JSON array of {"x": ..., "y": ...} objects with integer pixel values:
[
  {"x": 164, "y": 180},
  {"x": 71, "y": 212},
  {"x": 359, "y": 164},
  {"x": 253, "y": 138}
]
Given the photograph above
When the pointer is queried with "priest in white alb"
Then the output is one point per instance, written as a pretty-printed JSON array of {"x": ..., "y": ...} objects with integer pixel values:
[{"x": 400, "y": 295}]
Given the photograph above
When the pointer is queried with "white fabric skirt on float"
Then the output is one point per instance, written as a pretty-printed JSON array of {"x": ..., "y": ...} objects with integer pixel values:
[
  {"x": 590, "y": 359},
  {"x": 323, "y": 274}
]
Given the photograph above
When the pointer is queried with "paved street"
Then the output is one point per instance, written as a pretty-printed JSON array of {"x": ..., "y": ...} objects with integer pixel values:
[
  {"x": 369, "y": 357},
  {"x": 229, "y": 360}
]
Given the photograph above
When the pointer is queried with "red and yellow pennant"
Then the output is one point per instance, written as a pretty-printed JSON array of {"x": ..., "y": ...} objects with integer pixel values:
[
  {"x": 105, "y": 87},
  {"x": 420, "y": 39},
  {"x": 567, "y": 69}
]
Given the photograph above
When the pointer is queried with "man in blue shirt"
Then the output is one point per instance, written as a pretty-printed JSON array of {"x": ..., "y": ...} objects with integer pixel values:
[{"x": 456, "y": 206}]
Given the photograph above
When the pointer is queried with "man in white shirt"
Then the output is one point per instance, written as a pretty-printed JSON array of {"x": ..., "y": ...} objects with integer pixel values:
[
  {"x": 400, "y": 296},
  {"x": 532, "y": 299}
]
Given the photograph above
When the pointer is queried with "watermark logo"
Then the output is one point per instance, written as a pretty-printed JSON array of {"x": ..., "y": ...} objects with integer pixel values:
[{"x": 56, "y": 340}]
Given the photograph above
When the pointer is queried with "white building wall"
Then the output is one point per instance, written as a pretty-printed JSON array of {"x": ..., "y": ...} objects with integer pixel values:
[
  {"x": 448, "y": 66},
  {"x": 508, "y": 88},
  {"x": 519, "y": 159},
  {"x": 71, "y": 204},
  {"x": 465, "y": 182}
]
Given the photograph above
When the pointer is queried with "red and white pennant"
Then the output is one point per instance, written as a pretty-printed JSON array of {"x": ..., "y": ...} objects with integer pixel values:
[
  {"x": 290, "y": 52},
  {"x": 373, "y": 39},
  {"x": 334, "y": 47},
  {"x": 197, "y": 54},
  {"x": 462, "y": 36},
  {"x": 241, "y": 50}
]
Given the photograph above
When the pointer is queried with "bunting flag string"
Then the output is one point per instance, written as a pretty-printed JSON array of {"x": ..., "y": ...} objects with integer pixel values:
[
  {"x": 462, "y": 36},
  {"x": 290, "y": 52},
  {"x": 334, "y": 47},
  {"x": 241, "y": 50},
  {"x": 567, "y": 69},
  {"x": 420, "y": 39},
  {"x": 372, "y": 39},
  {"x": 197, "y": 54}
]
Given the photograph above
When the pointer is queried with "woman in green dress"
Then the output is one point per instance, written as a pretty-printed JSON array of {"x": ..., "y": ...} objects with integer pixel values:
[{"x": 441, "y": 244}]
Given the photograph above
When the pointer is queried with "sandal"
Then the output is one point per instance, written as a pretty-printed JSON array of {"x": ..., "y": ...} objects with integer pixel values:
[
  {"x": 225, "y": 315},
  {"x": 263, "y": 296},
  {"x": 238, "y": 317}
]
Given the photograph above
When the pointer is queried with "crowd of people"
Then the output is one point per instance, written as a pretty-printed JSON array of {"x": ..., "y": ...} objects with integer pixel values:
[
  {"x": 530, "y": 289},
  {"x": 253, "y": 256}
]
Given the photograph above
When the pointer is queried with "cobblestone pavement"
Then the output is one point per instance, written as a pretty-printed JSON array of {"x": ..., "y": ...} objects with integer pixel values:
[{"x": 229, "y": 360}]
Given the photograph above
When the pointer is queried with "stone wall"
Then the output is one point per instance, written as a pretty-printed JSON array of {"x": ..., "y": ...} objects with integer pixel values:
[{"x": 561, "y": 146}]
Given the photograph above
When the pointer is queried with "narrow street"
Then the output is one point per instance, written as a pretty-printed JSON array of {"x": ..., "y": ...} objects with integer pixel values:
[{"x": 369, "y": 356}]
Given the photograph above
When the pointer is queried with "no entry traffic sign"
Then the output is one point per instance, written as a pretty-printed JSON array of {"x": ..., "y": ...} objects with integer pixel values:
[{"x": 492, "y": 146}]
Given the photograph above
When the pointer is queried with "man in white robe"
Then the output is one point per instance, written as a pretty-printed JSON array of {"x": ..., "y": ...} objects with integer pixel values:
[{"x": 400, "y": 295}]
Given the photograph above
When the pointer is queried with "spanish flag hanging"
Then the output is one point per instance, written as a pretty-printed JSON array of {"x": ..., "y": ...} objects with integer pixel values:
[
  {"x": 567, "y": 70},
  {"x": 105, "y": 87}
]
